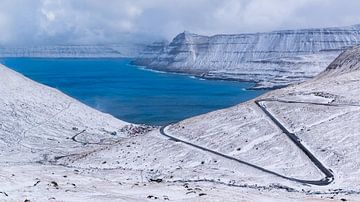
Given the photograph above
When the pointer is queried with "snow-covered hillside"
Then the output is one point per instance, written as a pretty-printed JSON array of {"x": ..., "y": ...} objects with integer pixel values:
[
  {"x": 54, "y": 148},
  {"x": 271, "y": 59},
  {"x": 74, "y": 51}
]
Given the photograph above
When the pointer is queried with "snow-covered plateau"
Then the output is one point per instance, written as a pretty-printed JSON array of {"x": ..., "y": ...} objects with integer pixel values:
[
  {"x": 74, "y": 51},
  {"x": 53, "y": 147},
  {"x": 271, "y": 59}
]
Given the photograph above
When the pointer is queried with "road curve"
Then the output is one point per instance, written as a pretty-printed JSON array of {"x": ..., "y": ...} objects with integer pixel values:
[{"x": 329, "y": 176}]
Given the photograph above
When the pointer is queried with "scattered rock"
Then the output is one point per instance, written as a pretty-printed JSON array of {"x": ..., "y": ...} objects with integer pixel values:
[
  {"x": 136, "y": 130},
  {"x": 156, "y": 180},
  {"x": 55, "y": 184},
  {"x": 36, "y": 183},
  {"x": 152, "y": 197}
]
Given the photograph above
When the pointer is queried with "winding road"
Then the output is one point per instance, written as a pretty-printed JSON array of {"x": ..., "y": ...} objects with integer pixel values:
[{"x": 328, "y": 174}]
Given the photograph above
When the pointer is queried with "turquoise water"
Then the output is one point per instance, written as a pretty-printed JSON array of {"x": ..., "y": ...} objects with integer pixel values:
[{"x": 131, "y": 93}]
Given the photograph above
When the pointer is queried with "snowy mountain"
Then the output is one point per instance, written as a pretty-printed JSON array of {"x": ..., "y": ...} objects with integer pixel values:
[
  {"x": 271, "y": 59},
  {"x": 74, "y": 51},
  {"x": 323, "y": 113},
  {"x": 53, "y": 147},
  {"x": 346, "y": 62}
]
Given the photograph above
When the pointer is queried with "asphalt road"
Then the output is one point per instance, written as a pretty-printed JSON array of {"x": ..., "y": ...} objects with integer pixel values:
[{"x": 328, "y": 174}]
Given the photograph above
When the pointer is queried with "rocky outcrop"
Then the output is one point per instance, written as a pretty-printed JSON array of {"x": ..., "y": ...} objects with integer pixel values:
[{"x": 347, "y": 61}]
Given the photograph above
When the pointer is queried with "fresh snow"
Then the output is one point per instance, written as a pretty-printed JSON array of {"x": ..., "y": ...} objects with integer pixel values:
[
  {"x": 270, "y": 59},
  {"x": 56, "y": 148}
]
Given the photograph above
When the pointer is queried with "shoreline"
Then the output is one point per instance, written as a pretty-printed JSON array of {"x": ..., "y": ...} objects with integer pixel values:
[{"x": 202, "y": 75}]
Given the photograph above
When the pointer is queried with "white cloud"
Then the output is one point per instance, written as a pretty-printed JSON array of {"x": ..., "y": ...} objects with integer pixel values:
[{"x": 94, "y": 21}]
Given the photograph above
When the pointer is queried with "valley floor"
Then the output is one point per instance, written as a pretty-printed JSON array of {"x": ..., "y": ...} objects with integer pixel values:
[{"x": 55, "y": 148}]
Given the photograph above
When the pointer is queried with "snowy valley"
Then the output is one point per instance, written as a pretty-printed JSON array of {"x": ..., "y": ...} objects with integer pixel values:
[{"x": 56, "y": 148}]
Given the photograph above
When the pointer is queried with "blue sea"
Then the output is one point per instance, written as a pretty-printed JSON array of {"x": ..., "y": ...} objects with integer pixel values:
[{"x": 132, "y": 93}]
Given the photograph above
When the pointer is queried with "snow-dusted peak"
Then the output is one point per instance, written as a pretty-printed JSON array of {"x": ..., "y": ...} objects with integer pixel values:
[{"x": 185, "y": 37}]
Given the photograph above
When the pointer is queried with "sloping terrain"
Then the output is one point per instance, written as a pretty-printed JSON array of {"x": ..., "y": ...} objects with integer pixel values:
[
  {"x": 323, "y": 113},
  {"x": 271, "y": 59},
  {"x": 55, "y": 148}
]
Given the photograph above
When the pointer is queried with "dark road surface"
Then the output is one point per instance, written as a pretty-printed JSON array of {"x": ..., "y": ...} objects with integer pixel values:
[{"x": 328, "y": 175}]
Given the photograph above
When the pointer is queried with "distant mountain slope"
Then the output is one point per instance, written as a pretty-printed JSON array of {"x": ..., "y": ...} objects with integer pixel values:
[
  {"x": 271, "y": 59},
  {"x": 74, "y": 51},
  {"x": 347, "y": 61}
]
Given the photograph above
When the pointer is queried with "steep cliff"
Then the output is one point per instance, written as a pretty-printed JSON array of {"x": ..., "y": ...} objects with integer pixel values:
[{"x": 271, "y": 59}]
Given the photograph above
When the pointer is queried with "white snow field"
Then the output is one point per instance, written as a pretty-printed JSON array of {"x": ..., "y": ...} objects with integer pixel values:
[
  {"x": 271, "y": 59},
  {"x": 53, "y": 147}
]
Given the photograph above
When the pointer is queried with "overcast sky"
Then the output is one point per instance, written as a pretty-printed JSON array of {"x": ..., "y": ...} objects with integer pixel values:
[{"x": 108, "y": 21}]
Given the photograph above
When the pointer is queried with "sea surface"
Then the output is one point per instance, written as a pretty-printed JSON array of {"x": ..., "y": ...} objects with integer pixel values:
[{"x": 132, "y": 93}]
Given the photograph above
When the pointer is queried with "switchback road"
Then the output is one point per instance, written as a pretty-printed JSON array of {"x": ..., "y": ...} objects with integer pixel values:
[{"x": 328, "y": 175}]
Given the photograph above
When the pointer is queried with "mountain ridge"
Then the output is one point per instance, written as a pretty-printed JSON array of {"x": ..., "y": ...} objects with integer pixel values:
[{"x": 271, "y": 59}]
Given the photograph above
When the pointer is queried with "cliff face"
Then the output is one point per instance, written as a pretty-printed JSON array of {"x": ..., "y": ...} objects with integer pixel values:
[{"x": 271, "y": 59}]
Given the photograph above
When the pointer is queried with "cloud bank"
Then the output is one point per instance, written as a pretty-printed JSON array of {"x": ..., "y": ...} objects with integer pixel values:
[{"x": 92, "y": 21}]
